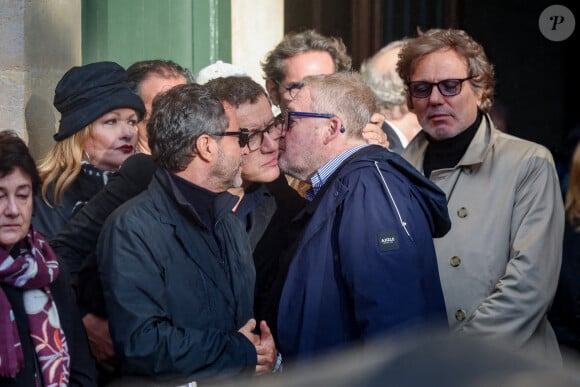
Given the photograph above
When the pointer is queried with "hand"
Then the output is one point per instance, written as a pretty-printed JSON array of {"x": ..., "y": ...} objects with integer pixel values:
[
  {"x": 100, "y": 341},
  {"x": 266, "y": 350},
  {"x": 248, "y": 331},
  {"x": 373, "y": 132}
]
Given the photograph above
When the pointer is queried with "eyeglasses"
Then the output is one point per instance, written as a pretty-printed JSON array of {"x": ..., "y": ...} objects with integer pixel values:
[
  {"x": 273, "y": 129},
  {"x": 288, "y": 123},
  {"x": 293, "y": 89},
  {"x": 447, "y": 87},
  {"x": 243, "y": 136}
]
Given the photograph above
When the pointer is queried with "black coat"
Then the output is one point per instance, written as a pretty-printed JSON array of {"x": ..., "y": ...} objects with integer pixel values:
[
  {"x": 78, "y": 238},
  {"x": 77, "y": 241},
  {"x": 177, "y": 292},
  {"x": 395, "y": 144},
  {"x": 49, "y": 221},
  {"x": 267, "y": 225}
]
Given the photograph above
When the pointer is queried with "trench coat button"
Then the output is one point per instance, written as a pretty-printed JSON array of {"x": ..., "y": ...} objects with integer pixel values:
[
  {"x": 455, "y": 261},
  {"x": 460, "y": 315},
  {"x": 462, "y": 212},
  {"x": 468, "y": 170}
]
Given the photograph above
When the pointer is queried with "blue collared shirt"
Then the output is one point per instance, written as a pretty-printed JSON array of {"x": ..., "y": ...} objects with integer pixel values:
[{"x": 323, "y": 173}]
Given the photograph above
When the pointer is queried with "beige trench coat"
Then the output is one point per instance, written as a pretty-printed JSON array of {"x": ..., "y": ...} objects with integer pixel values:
[{"x": 499, "y": 264}]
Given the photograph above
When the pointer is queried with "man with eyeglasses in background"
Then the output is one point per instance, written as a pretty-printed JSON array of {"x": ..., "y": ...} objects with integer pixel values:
[
  {"x": 499, "y": 263},
  {"x": 304, "y": 53},
  {"x": 363, "y": 265},
  {"x": 175, "y": 262}
]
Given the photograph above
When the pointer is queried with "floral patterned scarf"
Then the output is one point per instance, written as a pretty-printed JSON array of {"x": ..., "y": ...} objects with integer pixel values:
[{"x": 33, "y": 270}]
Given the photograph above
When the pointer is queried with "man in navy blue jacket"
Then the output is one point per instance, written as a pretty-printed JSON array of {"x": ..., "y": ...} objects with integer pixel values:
[{"x": 363, "y": 264}]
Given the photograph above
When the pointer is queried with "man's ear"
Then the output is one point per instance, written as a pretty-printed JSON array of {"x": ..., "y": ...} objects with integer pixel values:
[
  {"x": 272, "y": 88},
  {"x": 206, "y": 147},
  {"x": 335, "y": 129}
]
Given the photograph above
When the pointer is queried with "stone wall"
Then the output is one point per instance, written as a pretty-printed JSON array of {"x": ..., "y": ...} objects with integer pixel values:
[{"x": 39, "y": 41}]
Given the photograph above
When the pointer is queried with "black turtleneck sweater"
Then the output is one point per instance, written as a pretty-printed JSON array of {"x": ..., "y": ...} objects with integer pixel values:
[
  {"x": 200, "y": 198},
  {"x": 447, "y": 153}
]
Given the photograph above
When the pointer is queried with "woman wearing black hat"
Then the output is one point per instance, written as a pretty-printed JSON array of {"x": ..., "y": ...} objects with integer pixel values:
[{"x": 96, "y": 135}]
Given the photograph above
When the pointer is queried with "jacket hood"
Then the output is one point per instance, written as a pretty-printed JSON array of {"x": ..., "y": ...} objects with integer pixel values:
[{"x": 435, "y": 202}]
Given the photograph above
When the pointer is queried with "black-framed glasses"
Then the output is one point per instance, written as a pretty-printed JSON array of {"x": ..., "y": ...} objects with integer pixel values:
[
  {"x": 274, "y": 130},
  {"x": 293, "y": 89},
  {"x": 243, "y": 136},
  {"x": 288, "y": 123},
  {"x": 447, "y": 87}
]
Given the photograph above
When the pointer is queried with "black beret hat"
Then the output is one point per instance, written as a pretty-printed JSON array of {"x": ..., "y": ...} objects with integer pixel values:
[{"x": 87, "y": 92}]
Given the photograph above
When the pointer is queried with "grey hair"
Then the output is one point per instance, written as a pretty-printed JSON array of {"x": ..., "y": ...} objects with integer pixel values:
[
  {"x": 179, "y": 117},
  {"x": 344, "y": 94},
  {"x": 388, "y": 87}
]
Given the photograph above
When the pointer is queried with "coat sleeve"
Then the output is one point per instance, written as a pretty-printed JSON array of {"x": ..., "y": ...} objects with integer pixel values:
[
  {"x": 521, "y": 298},
  {"x": 145, "y": 337},
  {"x": 78, "y": 238},
  {"x": 390, "y": 275},
  {"x": 48, "y": 220}
]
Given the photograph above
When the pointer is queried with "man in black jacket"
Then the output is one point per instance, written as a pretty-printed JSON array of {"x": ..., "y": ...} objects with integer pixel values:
[{"x": 174, "y": 261}]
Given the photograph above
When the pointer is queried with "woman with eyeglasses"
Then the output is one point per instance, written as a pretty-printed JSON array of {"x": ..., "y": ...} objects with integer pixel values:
[
  {"x": 500, "y": 261},
  {"x": 42, "y": 340}
]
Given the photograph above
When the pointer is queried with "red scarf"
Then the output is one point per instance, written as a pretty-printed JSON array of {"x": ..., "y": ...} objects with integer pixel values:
[{"x": 33, "y": 270}]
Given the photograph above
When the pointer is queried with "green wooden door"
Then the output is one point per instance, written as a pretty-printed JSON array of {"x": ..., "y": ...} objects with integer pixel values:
[{"x": 193, "y": 33}]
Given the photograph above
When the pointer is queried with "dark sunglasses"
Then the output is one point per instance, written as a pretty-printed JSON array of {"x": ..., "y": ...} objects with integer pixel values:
[
  {"x": 243, "y": 136},
  {"x": 447, "y": 87}
]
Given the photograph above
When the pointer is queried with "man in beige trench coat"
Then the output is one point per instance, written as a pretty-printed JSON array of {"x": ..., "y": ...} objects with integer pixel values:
[{"x": 500, "y": 262}]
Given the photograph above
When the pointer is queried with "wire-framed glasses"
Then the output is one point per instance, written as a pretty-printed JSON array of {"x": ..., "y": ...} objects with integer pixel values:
[
  {"x": 273, "y": 129},
  {"x": 292, "y": 89},
  {"x": 243, "y": 136},
  {"x": 447, "y": 87}
]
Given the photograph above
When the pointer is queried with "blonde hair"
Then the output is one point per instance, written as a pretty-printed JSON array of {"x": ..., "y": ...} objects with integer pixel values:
[
  {"x": 62, "y": 164},
  {"x": 572, "y": 203}
]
